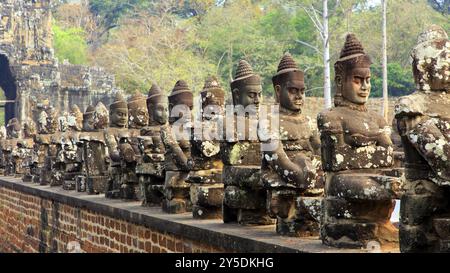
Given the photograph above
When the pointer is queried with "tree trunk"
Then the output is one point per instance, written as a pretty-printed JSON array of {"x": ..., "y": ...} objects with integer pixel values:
[
  {"x": 326, "y": 57},
  {"x": 385, "y": 63}
]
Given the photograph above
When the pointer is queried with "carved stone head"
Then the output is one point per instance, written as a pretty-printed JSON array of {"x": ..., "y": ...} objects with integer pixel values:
[
  {"x": 156, "y": 106},
  {"x": 75, "y": 118},
  {"x": 118, "y": 112},
  {"x": 431, "y": 60},
  {"x": 52, "y": 120},
  {"x": 182, "y": 98},
  {"x": 13, "y": 128},
  {"x": 137, "y": 111},
  {"x": 101, "y": 116},
  {"x": 352, "y": 74},
  {"x": 213, "y": 98},
  {"x": 88, "y": 119},
  {"x": 289, "y": 85},
  {"x": 246, "y": 87}
]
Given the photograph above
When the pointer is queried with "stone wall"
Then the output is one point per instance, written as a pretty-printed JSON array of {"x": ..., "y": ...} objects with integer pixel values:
[
  {"x": 36, "y": 218},
  {"x": 34, "y": 224}
]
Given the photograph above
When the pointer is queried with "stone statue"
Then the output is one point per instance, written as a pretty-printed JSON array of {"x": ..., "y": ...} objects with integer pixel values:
[
  {"x": 55, "y": 161},
  {"x": 150, "y": 168},
  {"x": 3, "y": 142},
  {"x": 45, "y": 147},
  {"x": 175, "y": 136},
  {"x": 26, "y": 146},
  {"x": 118, "y": 118},
  {"x": 83, "y": 147},
  {"x": 206, "y": 175},
  {"x": 130, "y": 153},
  {"x": 71, "y": 153},
  {"x": 244, "y": 197},
  {"x": 292, "y": 173},
  {"x": 95, "y": 150},
  {"x": 424, "y": 125},
  {"x": 10, "y": 150},
  {"x": 357, "y": 153}
]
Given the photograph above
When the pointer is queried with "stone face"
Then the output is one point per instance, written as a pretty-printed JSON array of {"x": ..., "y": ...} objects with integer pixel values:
[
  {"x": 357, "y": 154},
  {"x": 292, "y": 171},
  {"x": 424, "y": 126}
]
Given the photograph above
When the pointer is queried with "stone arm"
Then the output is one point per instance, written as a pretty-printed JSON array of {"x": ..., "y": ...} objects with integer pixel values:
[
  {"x": 315, "y": 142},
  {"x": 431, "y": 138},
  {"x": 172, "y": 147},
  {"x": 113, "y": 147},
  {"x": 127, "y": 152},
  {"x": 384, "y": 138},
  {"x": 298, "y": 171}
]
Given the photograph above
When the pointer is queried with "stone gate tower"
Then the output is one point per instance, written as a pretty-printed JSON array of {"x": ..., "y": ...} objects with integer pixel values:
[{"x": 29, "y": 71}]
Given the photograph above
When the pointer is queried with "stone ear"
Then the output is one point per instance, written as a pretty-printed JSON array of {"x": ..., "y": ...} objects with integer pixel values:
[
  {"x": 277, "y": 92},
  {"x": 338, "y": 80},
  {"x": 235, "y": 94}
]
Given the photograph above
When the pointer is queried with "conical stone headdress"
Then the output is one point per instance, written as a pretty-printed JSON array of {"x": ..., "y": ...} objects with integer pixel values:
[
  {"x": 137, "y": 100},
  {"x": 244, "y": 76},
  {"x": 353, "y": 49},
  {"x": 181, "y": 94},
  {"x": 119, "y": 102},
  {"x": 212, "y": 92},
  {"x": 155, "y": 95},
  {"x": 288, "y": 68}
]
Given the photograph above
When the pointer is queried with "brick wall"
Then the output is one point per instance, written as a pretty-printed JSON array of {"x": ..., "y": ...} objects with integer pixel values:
[{"x": 34, "y": 224}]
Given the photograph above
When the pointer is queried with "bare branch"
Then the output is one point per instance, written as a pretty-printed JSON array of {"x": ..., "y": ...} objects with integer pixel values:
[{"x": 310, "y": 46}]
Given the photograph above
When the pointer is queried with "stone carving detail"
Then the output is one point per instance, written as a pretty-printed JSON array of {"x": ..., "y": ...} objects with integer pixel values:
[
  {"x": 130, "y": 153},
  {"x": 26, "y": 149},
  {"x": 45, "y": 147},
  {"x": 95, "y": 149},
  {"x": 175, "y": 136},
  {"x": 292, "y": 173},
  {"x": 244, "y": 197},
  {"x": 118, "y": 124},
  {"x": 10, "y": 151},
  {"x": 424, "y": 125},
  {"x": 150, "y": 169},
  {"x": 206, "y": 175},
  {"x": 357, "y": 155},
  {"x": 71, "y": 151}
]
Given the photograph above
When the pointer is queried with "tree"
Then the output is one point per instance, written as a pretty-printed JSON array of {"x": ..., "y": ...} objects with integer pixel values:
[
  {"x": 147, "y": 49},
  {"x": 70, "y": 44},
  {"x": 443, "y": 6},
  {"x": 385, "y": 109}
]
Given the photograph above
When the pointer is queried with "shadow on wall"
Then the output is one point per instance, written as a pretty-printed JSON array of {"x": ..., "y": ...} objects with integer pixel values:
[{"x": 8, "y": 84}]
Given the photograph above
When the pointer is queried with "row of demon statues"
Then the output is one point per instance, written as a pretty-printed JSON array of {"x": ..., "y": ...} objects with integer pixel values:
[{"x": 340, "y": 184}]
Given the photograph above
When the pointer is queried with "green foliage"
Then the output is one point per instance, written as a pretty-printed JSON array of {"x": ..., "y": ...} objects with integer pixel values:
[
  {"x": 162, "y": 41},
  {"x": 70, "y": 44},
  {"x": 400, "y": 80}
]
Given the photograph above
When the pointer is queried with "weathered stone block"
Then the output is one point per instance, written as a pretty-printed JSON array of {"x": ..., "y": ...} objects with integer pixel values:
[
  {"x": 242, "y": 176},
  {"x": 235, "y": 197},
  {"x": 207, "y": 195}
]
